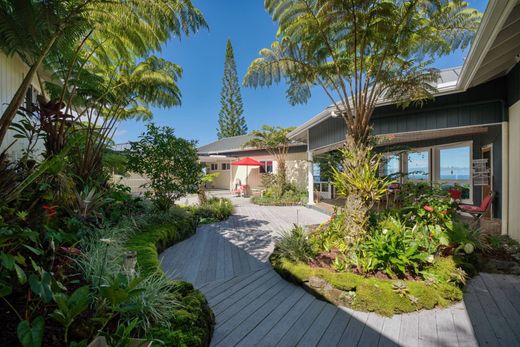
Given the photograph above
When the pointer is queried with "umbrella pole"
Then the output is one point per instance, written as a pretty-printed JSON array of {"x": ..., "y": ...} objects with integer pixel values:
[{"x": 247, "y": 174}]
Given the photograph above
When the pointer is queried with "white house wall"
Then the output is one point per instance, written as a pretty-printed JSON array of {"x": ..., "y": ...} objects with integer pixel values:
[
  {"x": 12, "y": 72},
  {"x": 296, "y": 172}
]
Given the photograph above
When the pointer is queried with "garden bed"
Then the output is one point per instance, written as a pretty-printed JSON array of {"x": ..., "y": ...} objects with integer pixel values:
[
  {"x": 258, "y": 200},
  {"x": 412, "y": 257},
  {"x": 384, "y": 296},
  {"x": 192, "y": 324}
]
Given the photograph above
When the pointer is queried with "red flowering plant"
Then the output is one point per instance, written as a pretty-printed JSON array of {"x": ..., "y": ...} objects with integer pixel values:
[{"x": 50, "y": 211}]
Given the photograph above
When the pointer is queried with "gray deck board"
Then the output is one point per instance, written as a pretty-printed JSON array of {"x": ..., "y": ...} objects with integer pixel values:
[
  {"x": 227, "y": 309},
  {"x": 332, "y": 334},
  {"x": 235, "y": 319},
  {"x": 499, "y": 324},
  {"x": 238, "y": 291},
  {"x": 390, "y": 332},
  {"x": 354, "y": 329},
  {"x": 445, "y": 328},
  {"x": 278, "y": 331},
  {"x": 253, "y": 305},
  {"x": 372, "y": 331},
  {"x": 272, "y": 319},
  {"x": 246, "y": 326},
  {"x": 428, "y": 328},
  {"x": 409, "y": 333},
  {"x": 465, "y": 334},
  {"x": 300, "y": 326},
  {"x": 319, "y": 326}
]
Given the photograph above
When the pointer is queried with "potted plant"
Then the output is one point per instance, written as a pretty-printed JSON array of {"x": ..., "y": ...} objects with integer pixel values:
[{"x": 455, "y": 192}]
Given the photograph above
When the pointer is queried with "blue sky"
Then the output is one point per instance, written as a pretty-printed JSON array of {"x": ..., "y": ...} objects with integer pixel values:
[{"x": 201, "y": 56}]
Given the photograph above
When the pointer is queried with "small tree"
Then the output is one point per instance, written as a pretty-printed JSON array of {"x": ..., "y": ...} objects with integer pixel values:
[
  {"x": 231, "y": 122},
  {"x": 169, "y": 163},
  {"x": 274, "y": 140},
  {"x": 206, "y": 178}
]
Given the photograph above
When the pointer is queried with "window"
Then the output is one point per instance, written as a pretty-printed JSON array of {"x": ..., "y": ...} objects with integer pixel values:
[
  {"x": 454, "y": 164},
  {"x": 266, "y": 166},
  {"x": 226, "y": 166},
  {"x": 419, "y": 165},
  {"x": 316, "y": 172},
  {"x": 443, "y": 165},
  {"x": 214, "y": 167},
  {"x": 391, "y": 165},
  {"x": 454, "y": 168}
]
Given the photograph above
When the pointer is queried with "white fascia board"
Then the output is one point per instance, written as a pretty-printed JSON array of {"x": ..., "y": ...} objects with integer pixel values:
[
  {"x": 497, "y": 12},
  {"x": 311, "y": 122}
]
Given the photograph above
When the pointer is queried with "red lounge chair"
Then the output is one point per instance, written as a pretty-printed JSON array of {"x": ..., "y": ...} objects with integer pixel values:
[{"x": 478, "y": 211}]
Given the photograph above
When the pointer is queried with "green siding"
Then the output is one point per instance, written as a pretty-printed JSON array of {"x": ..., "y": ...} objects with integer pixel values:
[
  {"x": 513, "y": 85},
  {"x": 484, "y": 104}
]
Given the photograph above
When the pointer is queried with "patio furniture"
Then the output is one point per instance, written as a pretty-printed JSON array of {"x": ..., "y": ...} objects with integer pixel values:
[
  {"x": 247, "y": 162},
  {"x": 393, "y": 190},
  {"x": 242, "y": 190},
  {"x": 478, "y": 211}
]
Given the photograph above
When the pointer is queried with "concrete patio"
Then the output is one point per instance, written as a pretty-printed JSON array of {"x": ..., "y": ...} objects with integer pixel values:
[{"x": 253, "y": 305}]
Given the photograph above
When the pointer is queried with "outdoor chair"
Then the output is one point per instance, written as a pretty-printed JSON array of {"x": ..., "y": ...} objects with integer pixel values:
[
  {"x": 478, "y": 211},
  {"x": 392, "y": 191}
]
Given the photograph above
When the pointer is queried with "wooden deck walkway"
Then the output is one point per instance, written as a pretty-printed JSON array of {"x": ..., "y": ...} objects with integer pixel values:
[{"x": 253, "y": 305}]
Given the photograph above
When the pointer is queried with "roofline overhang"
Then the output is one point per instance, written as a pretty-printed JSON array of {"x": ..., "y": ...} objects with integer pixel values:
[
  {"x": 448, "y": 88},
  {"x": 495, "y": 15},
  {"x": 245, "y": 150}
]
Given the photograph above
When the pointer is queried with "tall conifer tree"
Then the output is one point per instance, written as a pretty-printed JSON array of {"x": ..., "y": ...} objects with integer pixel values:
[{"x": 231, "y": 122}]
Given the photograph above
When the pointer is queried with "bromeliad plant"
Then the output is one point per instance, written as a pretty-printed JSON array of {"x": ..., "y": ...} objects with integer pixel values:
[{"x": 359, "y": 175}]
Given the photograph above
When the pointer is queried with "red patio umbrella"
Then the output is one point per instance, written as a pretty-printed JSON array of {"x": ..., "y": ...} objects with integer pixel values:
[{"x": 246, "y": 162}]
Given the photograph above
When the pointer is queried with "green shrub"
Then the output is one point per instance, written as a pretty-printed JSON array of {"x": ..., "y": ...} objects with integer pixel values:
[
  {"x": 292, "y": 196},
  {"x": 294, "y": 245},
  {"x": 192, "y": 323},
  {"x": 214, "y": 210},
  {"x": 396, "y": 249},
  {"x": 345, "y": 228},
  {"x": 170, "y": 163}
]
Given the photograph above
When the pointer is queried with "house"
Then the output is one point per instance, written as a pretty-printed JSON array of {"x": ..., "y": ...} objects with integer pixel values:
[
  {"x": 12, "y": 72},
  {"x": 472, "y": 124},
  {"x": 219, "y": 155}
]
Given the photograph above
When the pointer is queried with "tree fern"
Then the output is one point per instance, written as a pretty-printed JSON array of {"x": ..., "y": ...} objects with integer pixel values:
[{"x": 360, "y": 51}]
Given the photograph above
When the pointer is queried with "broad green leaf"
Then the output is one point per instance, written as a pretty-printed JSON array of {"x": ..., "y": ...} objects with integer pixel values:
[
  {"x": 22, "y": 277},
  {"x": 31, "y": 335}
]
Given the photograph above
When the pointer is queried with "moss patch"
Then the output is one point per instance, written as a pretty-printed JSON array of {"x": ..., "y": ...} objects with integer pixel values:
[
  {"x": 276, "y": 201},
  {"x": 192, "y": 324},
  {"x": 378, "y": 295}
]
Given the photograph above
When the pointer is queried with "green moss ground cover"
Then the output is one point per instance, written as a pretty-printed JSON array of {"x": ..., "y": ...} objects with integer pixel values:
[{"x": 386, "y": 297}]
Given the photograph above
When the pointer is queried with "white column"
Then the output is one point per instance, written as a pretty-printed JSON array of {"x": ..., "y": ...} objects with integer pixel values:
[
  {"x": 505, "y": 178},
  {"x": 310, "y": 178}
]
